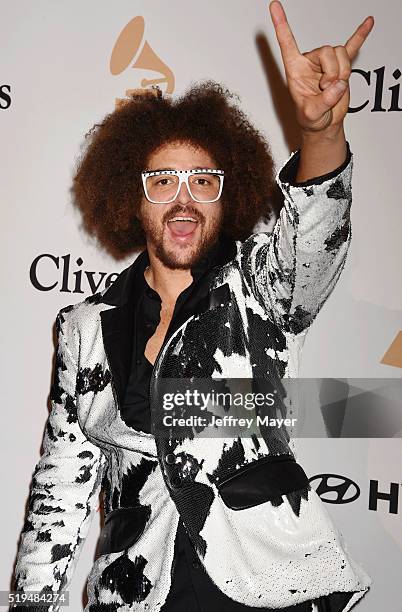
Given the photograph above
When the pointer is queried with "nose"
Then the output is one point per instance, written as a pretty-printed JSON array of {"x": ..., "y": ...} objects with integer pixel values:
[{"x": 184, "y": 196}]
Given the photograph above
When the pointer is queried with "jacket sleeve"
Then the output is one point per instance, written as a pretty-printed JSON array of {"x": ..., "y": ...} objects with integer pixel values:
[
  {"x": 292, "y": 270},
  {"x": 64, "y": 488}
]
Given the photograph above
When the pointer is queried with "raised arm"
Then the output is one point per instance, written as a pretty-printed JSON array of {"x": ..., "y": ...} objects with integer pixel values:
[
  {"x": 294, "y": 269},
  {"x": 64, "y": 488}
]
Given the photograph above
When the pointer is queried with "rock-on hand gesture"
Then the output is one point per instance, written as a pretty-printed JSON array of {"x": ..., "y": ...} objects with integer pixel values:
[{"x": 318, "y": 80}]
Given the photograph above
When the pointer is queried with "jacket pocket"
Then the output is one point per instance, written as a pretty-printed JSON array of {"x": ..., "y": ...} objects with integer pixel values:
[
  {"x": 122, "y": 528},
  {"x": 262, "y": 481}
]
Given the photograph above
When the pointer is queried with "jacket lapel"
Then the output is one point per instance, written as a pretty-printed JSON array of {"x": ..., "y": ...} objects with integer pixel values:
[{"x": 117, "y": 323}]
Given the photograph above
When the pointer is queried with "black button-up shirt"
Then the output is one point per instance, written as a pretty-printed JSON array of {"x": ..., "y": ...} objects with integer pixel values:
[{"x": 192, "y": 590}]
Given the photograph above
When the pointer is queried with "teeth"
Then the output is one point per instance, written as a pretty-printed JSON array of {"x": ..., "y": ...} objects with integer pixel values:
[{"x": 182, "y": 219}]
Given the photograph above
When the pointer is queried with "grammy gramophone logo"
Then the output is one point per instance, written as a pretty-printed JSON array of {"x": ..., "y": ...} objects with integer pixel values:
[{"x": 132, "y": 51}]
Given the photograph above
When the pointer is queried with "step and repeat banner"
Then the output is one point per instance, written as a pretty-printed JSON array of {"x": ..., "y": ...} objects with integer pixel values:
[{"x": 63, "y": 67}]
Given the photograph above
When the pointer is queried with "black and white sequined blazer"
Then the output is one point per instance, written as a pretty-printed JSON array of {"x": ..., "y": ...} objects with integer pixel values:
[{"x": 261, "y": 532}]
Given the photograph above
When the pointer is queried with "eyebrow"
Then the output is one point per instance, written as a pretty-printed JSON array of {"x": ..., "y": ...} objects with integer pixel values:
[{"x": 168, "y": 168}]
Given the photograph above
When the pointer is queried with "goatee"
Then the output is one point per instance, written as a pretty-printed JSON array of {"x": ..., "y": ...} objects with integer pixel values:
[{"x": 170, "y": 257}]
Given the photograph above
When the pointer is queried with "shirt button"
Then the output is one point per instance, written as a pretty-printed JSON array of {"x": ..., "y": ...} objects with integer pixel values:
[
  {"x": 170, "y": 459},
  {"x": 138, "y": 361}
]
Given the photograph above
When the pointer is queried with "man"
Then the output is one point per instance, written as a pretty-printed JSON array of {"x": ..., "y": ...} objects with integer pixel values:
[{"x": 197, "y": 523}]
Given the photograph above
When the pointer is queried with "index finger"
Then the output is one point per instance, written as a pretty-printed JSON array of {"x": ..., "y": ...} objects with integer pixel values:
[
  {"x": 358, "y": 37},
  {"x": 284, "y": 34}
]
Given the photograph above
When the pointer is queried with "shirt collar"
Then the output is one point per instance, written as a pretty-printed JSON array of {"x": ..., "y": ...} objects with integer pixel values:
[{"x": 208, "y": 260}]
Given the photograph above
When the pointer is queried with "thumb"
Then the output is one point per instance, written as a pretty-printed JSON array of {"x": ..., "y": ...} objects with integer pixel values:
[{"x": 330, "y": 96}]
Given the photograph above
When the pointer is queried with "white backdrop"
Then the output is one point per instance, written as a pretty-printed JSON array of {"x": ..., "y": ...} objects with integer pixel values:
[{"x": 56, "y": 81}]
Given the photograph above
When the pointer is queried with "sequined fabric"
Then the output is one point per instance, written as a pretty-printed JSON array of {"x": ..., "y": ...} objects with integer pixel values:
[{"x": 275, "y": 554}]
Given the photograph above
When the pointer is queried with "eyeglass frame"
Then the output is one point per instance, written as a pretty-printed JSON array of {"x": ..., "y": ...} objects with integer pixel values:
[{"x": 183, "y": 176}]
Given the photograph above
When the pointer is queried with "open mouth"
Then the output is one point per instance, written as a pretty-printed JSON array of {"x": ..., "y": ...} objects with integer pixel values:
[{"x": 182, "y": 227}]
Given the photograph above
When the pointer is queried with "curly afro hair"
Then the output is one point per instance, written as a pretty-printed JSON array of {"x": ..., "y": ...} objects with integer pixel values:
[{"x": 107, "y": 187}]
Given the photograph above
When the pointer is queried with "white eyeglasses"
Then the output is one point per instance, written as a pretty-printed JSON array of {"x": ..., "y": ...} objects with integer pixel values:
[{"x": 162, "y": 186}]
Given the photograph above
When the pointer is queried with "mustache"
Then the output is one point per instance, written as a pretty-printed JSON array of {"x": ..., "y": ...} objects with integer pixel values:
[{"x": 183, "y": 212}]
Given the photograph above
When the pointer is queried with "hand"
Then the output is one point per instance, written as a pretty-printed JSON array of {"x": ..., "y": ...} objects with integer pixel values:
[{"x": 314, "y": 77}]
